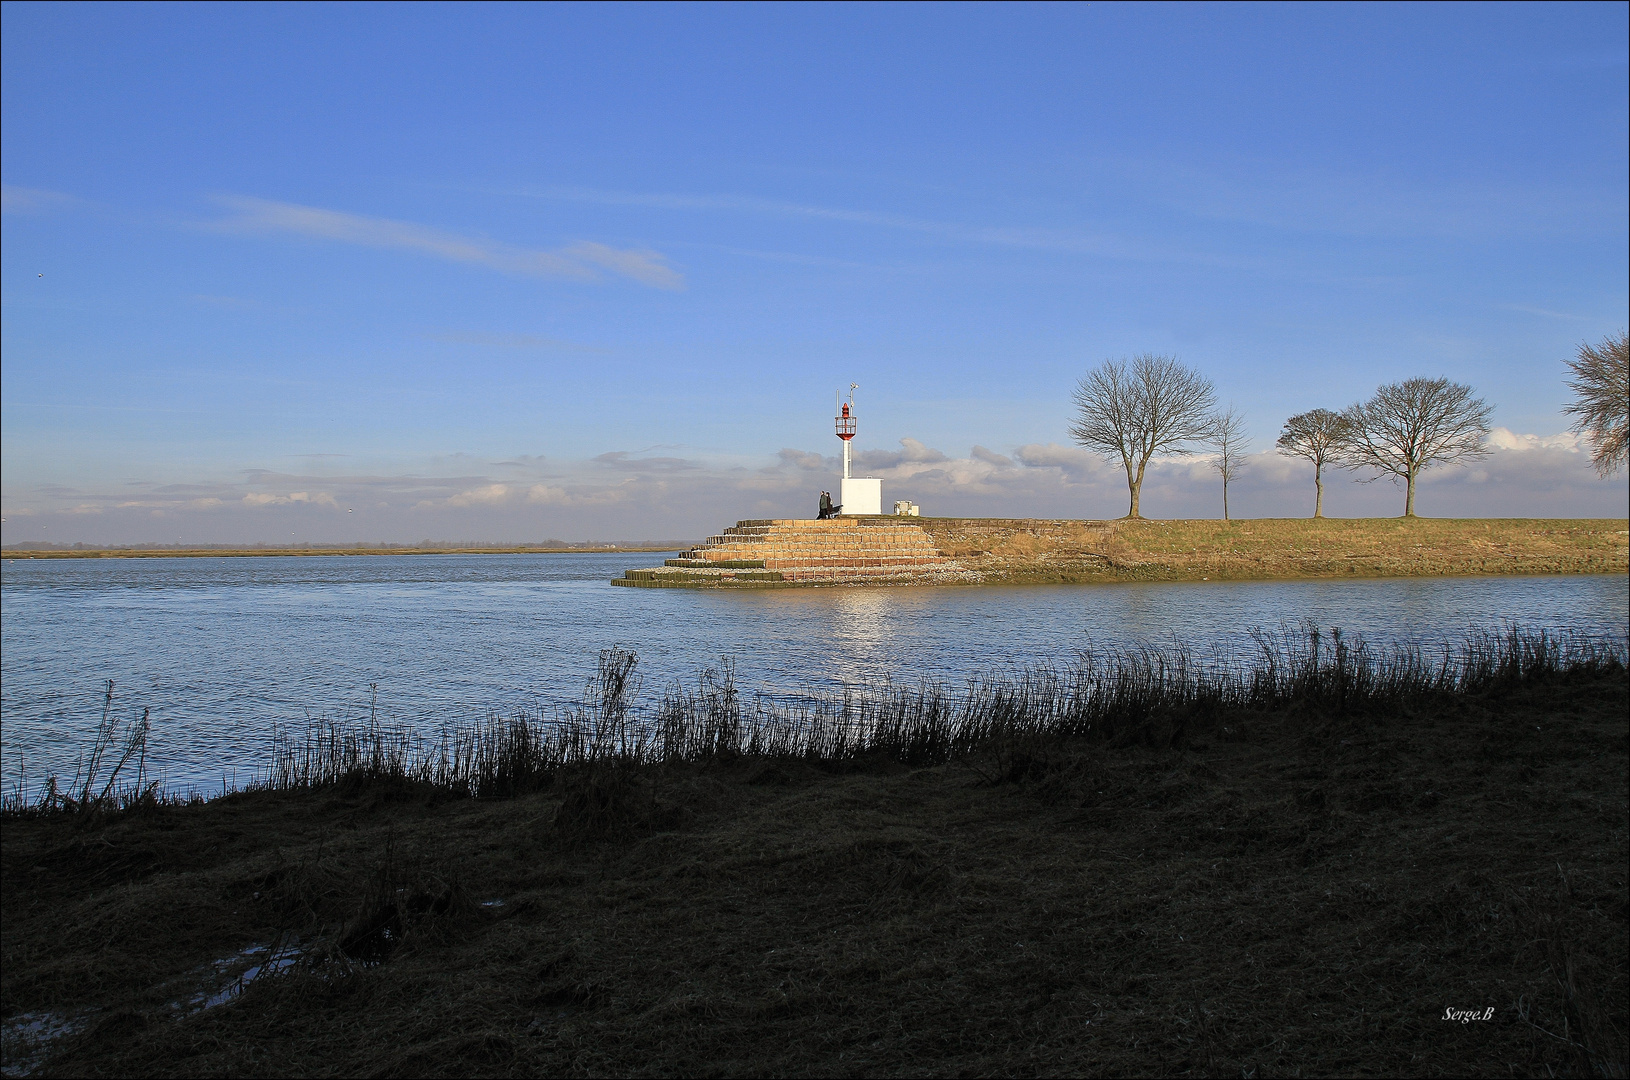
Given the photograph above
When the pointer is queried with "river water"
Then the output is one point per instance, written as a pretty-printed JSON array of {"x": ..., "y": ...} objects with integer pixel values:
[{"x": 222, "y": 649}]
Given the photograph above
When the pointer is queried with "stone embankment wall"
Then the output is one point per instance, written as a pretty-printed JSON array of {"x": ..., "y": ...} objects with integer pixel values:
[
  {"x": 791, "y": 551},
  {"x": 888, "y": 550}
]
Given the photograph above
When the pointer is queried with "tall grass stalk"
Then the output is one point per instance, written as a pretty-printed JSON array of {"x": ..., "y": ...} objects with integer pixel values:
[
  {"x": 1157, "y": 695},
  {"x": 82, "y": 796}
]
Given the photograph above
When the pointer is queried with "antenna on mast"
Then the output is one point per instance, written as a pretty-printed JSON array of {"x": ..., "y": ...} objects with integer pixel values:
[{"x": 846, "y": 424}]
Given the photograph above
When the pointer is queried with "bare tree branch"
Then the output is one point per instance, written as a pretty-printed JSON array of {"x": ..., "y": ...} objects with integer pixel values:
[
  {"x": 1133, "y": 411},
  {"x": 1601, "y": 400},
  {"x": 1228, "y": 438},
  {"x": 1317, "y": 436},
  {"x": 1410, "y": 426}
]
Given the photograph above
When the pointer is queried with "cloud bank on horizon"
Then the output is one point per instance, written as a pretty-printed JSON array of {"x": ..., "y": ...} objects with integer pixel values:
[{"x": 624, "y": 495}]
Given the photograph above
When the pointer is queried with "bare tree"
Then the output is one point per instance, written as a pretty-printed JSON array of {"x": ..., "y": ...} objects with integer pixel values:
[
  {"x": 1412, "y": 425},
  {"x": 1601, "y": 400},
  {"x": 1132, "y": 411},
  {"x": 1318, "y": 436},
  {"x": 1228, "y": 437}
]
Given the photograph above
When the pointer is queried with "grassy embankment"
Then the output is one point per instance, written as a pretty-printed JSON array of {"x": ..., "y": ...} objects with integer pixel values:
[
  {"x": 233, "y": 553},
  {"x": 1023, "y": 551},
  {"x": 1125, "y": 869}
]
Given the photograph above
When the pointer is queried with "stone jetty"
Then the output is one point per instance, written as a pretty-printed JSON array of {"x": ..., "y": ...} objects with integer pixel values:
[
  {"x": 886, "y": 550},
  {"x": 781, "y": 552}
]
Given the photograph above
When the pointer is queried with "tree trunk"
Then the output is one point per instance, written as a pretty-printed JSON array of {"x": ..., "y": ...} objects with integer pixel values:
[
  {"x": 1225, "y": 498},
  {"x": 1318, "y": 486},
  {"x": 1133, "y": 483},
  {"x": 1409, "y": 496}
]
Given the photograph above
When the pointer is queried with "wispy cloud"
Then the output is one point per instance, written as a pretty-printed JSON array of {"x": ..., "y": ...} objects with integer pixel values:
[
  {"x": 585, "y": 260},
  {"x": 1526, "y": 310},
  {"x": 627, "y": 462},
  {"x": 1372, "y": 202},
  {"x": 1097, "y": 243},
  {"x": 21, "y": 200},
  {"x": 515, "y": 341},
  {"x": 1004, "y": 236}
]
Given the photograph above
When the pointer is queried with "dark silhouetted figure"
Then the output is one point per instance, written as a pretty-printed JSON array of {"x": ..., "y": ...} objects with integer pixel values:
[{"x": 827, "y": 509}]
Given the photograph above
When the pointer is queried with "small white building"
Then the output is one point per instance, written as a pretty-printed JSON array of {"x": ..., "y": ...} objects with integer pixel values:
[{"x": 862, "y": 495}]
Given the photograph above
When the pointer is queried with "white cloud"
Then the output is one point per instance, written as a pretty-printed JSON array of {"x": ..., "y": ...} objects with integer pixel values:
[
  {"x": 263, "y": 498},
  {"x": 21, "y": 200},
  {"x": 1073, "y": 461},
  {"x": 914, "y": 451},
  {"x": 1505, "y": 439},
  {"x": 545, "y": 494},
  {"x": 582, "y": 261},
  {"x": 486, "y": 495},
  {"x": 802, "y": 459}
]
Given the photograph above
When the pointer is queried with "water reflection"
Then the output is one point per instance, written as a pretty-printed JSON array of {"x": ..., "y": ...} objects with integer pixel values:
[
  {"x": 221, "y": 649},
  {"x": 860, "y": 620}
]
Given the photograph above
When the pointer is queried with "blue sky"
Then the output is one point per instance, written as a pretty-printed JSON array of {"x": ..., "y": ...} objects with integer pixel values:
[{"x": 514, "y": 272}]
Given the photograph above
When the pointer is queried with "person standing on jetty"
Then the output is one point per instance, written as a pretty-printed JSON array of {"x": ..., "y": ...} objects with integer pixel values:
[{"x": 827, "y": 509}]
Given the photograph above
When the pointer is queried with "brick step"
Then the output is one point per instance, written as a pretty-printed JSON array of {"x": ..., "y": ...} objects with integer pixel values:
[
  {"x": 691, "y": 582},
  {"x": 660, "y": 572},
  {"x": 700, "y": 579},
  {"x": 820, "y": 558},
  {"x": 804, "y": 573},
  {"x": 718, "y": 564},
  {"x": 776, "y": 552},
  {"x": 814, "y": 538},
  {"x": 807, "y": 556},
  {"x": 881, "y": 521},
  {"x": 877, "y": 537},
  {"x": 814, "y": 525},
  {"x": 819, "y": 541},
  {"x": 850, "y": 575}
]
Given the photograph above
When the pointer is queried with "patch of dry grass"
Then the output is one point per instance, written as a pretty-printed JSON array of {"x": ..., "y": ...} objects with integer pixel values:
[
  {"x": 1296, "y": 889},
  {"x": 244, "y": 553},
  {"x": 1025, "y": 551}
]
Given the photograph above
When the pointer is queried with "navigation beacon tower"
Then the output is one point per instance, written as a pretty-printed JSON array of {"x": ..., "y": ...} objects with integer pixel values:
[{"x": 858, "y": 494}]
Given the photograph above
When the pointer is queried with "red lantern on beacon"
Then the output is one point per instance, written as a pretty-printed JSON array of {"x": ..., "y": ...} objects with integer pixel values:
[
  {"x": 846, "y": 425},
  {"x": 859, "y": 495}
]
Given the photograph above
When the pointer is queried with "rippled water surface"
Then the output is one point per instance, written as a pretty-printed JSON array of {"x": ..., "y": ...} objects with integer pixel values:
[{"x": 222, "y": 649}]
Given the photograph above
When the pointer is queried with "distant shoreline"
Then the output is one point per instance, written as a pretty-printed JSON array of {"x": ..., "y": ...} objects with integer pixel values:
[
  {"x": 239, "y": 553},
  {"x": 1015, "y": 551}
]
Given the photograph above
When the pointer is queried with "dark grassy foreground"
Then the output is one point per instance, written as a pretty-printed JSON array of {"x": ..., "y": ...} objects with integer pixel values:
[{"x": 1128, "y": 868}]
